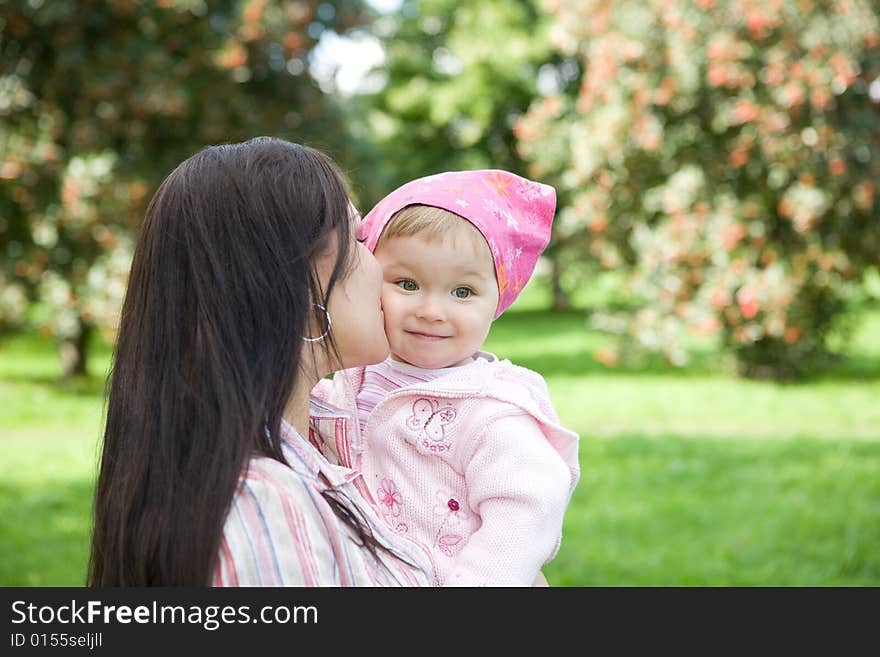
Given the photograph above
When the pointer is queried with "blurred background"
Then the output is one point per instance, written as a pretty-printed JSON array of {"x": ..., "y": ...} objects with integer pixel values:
[{"x": 707, "y": 315}]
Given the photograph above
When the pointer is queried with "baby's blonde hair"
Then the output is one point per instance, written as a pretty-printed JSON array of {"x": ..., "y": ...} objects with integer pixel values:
[{"x": 430, "y": 222}]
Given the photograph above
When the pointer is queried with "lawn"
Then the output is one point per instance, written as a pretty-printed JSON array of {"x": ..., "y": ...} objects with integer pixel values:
[{"x": 689, "y": 477}]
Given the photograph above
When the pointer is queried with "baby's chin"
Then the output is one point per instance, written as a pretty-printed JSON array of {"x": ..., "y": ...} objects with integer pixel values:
[{"x": 424, "y": 363}]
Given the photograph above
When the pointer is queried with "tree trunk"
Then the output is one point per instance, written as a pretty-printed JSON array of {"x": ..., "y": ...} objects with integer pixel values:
[
  {"x": 560, "y": 297},
  {"x": 74, "y": 353}
]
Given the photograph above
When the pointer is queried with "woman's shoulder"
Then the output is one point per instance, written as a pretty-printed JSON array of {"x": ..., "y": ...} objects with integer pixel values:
[
  {"x": 281, "y": 531},
  {"x": 273, "y": 514},
  {"x": 262, "y": 469},
  {"x": 266, "y": 483}
]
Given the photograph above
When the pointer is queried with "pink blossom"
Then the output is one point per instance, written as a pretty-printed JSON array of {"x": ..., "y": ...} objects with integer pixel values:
[
  {"x": 390, "y": 498},
  {"x": 748, "y": 302}
]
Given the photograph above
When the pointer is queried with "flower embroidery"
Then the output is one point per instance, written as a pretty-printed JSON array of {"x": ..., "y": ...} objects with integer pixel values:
[
  {"x": 449, "y": 509},
  {"x": 389, "y": 498}
]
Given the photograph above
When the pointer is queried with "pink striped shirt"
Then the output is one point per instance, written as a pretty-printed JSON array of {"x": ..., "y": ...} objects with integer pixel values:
[
  {"x": 391, "y": 375},
  {"x": 280, "y": 531}
]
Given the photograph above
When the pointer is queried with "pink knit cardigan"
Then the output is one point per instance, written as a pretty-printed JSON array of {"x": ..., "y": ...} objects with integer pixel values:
[{"x": 475, "y": 465}]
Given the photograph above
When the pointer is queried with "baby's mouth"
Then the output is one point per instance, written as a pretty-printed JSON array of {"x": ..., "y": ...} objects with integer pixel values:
[{"x": 426, "y": 336}]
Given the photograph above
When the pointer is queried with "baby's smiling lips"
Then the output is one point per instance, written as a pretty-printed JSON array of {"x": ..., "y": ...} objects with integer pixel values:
[{"x": 426, "y": 336}]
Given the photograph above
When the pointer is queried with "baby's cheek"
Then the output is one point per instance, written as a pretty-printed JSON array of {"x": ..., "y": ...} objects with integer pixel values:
[
  {"x": 387, "y": 303},
  {"x": 388, "y": 328},
  {"x": 388, "y": 314}
]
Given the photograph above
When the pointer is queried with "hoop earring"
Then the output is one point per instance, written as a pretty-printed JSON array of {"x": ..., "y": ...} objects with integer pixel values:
[{"x": 326, "y": 331}]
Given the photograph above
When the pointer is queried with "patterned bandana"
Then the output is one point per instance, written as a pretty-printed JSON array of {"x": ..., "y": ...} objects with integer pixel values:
[{"x": 514, "y": 214}]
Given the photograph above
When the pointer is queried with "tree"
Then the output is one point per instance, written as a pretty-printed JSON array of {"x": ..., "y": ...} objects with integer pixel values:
[
  {"x": 99, "y": 100},
  {"x": 727, "y": 153},
  {"x": 458, "y": 75}
]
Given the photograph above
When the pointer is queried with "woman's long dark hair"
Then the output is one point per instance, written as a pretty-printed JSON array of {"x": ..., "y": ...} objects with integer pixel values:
[{"x": 208, "y": 352}]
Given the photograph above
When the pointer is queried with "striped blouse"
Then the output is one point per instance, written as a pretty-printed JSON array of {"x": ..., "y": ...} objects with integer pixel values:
[{"x": 280, "y": 530}]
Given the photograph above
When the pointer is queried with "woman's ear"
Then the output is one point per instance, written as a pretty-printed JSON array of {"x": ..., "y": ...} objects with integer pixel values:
[{"x": 318, "y": 357}]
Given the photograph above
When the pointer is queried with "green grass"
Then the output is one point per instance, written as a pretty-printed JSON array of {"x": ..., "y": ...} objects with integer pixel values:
[
  {"x": 689, "y": 477},
  {"x": 49, "y": 436}
]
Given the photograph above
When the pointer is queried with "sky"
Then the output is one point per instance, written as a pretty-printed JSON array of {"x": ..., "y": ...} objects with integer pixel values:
[
  {"x": 341, "y": 63},
  {"x": 385, "y": 5}
]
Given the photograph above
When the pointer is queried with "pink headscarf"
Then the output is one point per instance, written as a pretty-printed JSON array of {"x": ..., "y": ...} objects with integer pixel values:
[{"x": 514, "y": 214}]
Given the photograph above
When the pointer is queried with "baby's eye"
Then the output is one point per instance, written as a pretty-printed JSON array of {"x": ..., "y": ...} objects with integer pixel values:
[
  {"x": 462, "y": 292},
  {"x": 407, "y": 284}
]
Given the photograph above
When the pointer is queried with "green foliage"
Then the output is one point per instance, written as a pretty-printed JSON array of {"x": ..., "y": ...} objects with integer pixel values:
[
  {"x": 726, "y": 152},
  {"x": 458, "y": 77},
  {"x": 99, "y": 100}
]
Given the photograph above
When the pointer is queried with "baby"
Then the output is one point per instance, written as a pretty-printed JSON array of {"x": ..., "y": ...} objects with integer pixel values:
[{"x": 460, "y": 450}]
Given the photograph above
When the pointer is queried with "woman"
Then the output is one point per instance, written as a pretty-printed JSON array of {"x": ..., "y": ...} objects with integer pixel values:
[{"x": 247, "y": 287}]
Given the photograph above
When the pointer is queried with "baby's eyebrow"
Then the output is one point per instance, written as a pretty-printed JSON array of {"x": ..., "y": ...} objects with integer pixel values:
[{"x": 473, "y": 272}]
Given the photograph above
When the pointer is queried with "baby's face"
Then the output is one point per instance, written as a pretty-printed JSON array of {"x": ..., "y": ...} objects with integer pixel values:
[{"x": 439, "y": 296}]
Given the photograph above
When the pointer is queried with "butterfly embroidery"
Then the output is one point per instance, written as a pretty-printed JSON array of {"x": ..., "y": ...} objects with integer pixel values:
[{"x": 429, "y": 419}]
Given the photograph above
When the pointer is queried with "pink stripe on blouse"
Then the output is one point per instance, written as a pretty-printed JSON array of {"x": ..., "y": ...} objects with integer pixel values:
[{"x": 381, "y": 379}]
